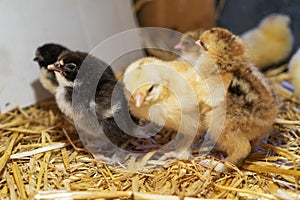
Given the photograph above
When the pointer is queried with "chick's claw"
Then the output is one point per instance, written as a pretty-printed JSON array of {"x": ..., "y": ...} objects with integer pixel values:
[{"x": 214, "y": 165}]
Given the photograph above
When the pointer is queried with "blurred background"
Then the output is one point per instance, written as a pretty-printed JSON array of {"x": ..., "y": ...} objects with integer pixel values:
[
  {"x": 82, "y": 25},
  {"x": 236, "y": 15}
]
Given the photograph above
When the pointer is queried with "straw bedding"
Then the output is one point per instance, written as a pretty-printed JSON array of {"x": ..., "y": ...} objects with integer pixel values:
[{"x": 41, "y": 158}]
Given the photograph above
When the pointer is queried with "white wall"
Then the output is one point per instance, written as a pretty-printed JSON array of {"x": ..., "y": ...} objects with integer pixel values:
[{"x": 25, "y": 25}]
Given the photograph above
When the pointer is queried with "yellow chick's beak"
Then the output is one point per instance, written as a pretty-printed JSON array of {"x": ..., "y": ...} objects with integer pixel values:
[
  {"x": 139, "y": 98},
  {"x": 198, "y": 42}
]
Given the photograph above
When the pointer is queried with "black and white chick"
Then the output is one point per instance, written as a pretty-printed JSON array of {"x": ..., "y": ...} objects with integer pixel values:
[
  {"x": 45, "y": 55},
  {"x": 89, "y": 94}
]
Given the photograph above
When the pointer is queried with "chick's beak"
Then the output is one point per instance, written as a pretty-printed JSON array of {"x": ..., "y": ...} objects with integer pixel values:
[
  {"x": 55, "y": 67},
  {"x": 198, "y": 42},
  {"x": 179, "y": 46},
  {"x": 139, "y": 98}
]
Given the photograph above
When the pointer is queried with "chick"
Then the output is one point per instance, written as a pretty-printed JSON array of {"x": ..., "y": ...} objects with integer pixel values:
[
  {"x": 95, "y": 110},
  {"x": 294, "y": 71},
  {"x": 188, "y": 49},
  {"x": 271, "y": 42},
  {"x": 151, "y": 81},
  {"x": 250, "y": 104},
  {"x": 171, "y": 94},
  {"x": 47, "y": 55}
]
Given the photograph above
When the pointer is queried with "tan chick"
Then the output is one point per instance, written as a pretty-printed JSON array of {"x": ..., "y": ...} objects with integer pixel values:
[
  {"x": 250, "y": 105},
  {"x": 294, "y": 72},
  {"x": 188, "y": 49},
  {"x": 171, "y": 94},
  {"x": 270, "y": 42}
]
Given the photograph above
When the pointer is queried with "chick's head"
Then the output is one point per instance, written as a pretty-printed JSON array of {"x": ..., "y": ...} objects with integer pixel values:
[
  {"x": 147, "y": 94},
  {"x": 223, "y": 47},
  {"x": 275, "y": 23},
  {"x": 143, "y": 83},
  {"x": 67, "y": 67},
  {"x": 48, "y": 54},
  {"x": 187, "y": 41},
  {"x": 187, "y": 46}
]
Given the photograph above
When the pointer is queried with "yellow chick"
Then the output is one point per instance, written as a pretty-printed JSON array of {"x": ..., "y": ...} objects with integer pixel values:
[
  {"x": 294, "y": 71},
  {"x": 188, "y": 49},
  {"x": 151, "y": 81},
  {"x": 270, "y": 42},
  {"x": 250, "y": 106},
  {"x": 175, "y": 94},
  {"x": 171, "y": 94}
]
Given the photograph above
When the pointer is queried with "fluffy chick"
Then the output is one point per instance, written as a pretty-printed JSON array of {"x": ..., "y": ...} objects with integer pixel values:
[
  {"x": 170, "y": 94},
  {"x": 270, "y": 42},
  {"x": 46, "y": 55},
  {"x": 250, "y": 104},
  {"x": 294, "y": 71},
  {"x": 90, "y": 101},
  {"x": 188, "y": 49}
]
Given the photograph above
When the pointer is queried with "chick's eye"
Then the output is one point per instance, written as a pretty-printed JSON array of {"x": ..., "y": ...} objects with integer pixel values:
[
  {"x": 186, "y": 43},
  {"x": 151, "y": 88},
  {"x": 70, "y": 66},
  {"x": 202, "y": 44}
]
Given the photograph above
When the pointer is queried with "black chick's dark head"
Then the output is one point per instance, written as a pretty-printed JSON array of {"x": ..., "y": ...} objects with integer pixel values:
[
  {"x": 48, "y": 54},
  {"x": 68, "y": 64}
]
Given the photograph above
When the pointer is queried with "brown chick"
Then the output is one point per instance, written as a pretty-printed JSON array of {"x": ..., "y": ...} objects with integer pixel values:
[
  {"x": 188, "y": 49},
  {"x": 271, "y": 42},
  {"x": 250, "y": 107},
  {"x": 171, "y": 94}
]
